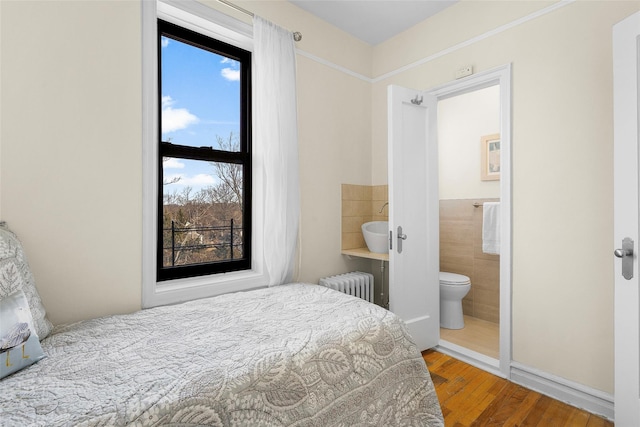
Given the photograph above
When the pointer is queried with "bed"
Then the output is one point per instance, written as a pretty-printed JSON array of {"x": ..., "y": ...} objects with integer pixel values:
[{"x": 291, "y": 355}]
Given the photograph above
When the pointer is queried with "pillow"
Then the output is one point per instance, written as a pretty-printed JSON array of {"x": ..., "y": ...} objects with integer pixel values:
[
  {"x": 19, "y": 342},
  {"x": 15, "y": 275}
]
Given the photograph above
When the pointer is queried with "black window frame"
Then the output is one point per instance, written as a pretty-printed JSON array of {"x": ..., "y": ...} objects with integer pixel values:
[{"x": 241, "y": 157}]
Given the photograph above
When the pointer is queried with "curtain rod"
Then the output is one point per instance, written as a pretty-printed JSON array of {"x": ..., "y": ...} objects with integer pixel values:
[{"x": 297, "y": 36}]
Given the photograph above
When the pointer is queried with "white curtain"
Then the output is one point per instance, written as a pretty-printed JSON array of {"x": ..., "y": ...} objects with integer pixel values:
[{"x": 275, "y": 146}]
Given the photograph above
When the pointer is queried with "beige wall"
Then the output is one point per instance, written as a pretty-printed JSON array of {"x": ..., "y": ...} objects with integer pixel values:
[
  {"x": 70, "y": 171},
  {"x": 562, "y": 145},
  {"x": 462, "y": 121},
  {"x": 71, "y": 145}
]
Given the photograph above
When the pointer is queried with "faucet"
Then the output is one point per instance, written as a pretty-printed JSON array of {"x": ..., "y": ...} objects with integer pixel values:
[{"x": 382, "y": 208}]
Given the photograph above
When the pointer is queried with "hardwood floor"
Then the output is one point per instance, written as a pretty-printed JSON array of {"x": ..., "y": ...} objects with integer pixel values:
[{"x": 472, "y": 397}]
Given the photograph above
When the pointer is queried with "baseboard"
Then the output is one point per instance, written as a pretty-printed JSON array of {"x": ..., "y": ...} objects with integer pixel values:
[
  {"x": 574, "y": 394},
  {"x": 471, "y": 357}
]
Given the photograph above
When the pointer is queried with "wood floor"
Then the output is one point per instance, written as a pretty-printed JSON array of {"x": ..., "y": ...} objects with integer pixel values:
[
  {"x": 472, "y": 397},
  {"x": 477, "y": 335}
]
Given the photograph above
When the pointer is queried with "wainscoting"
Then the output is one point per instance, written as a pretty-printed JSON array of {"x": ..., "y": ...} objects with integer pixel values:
[
  {"x": 461, "y": 252},
  {"x": 360, "y": 204}
]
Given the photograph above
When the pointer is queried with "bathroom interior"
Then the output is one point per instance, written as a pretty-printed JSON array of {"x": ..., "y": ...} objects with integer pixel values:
[
  {"x": 468, "y": 140},
  {"x": 468, "y": 125}
]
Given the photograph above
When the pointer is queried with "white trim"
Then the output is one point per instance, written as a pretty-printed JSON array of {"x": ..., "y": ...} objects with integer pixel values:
[
  {"x": 180, "y": 290},
  {"x": 418, "y": 319},
  {"x": 502, "y": 77},
  {"x": 476, "y": 39},
  {"x": 195, "y": 16},
  {"x": 149, "y": 151},
  {"x": 506, "y": 216},
  {"x": 332, "y": 65},
  {"x": 205, "y": 20},
  {"x": 572, "y": 393},
  {"x": 470, "y": 357},
  {"x": 441, "y": 53},
  {"x": 575, "y": 394}
]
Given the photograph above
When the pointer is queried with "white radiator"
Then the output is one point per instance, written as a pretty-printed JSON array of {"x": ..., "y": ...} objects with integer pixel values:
[{"x": 355, "y": 283}]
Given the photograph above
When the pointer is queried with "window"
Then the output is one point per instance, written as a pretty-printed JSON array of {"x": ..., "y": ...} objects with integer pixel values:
[{"x": 204, "y": 155}]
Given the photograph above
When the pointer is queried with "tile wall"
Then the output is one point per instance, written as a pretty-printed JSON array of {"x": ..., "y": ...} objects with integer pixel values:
[
  {"x": 360, "y": 204},
  {"x": 461, "y": 252}
]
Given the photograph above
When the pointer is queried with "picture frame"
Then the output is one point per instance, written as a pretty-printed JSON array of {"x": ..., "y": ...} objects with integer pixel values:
[{"x": 490, "y": 157}]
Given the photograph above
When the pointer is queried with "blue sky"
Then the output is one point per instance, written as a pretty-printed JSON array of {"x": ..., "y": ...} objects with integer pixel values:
[{"x": 200, "y": 101}]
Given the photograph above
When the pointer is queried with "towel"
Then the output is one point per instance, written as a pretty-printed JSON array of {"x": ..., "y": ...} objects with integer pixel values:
[{"x": 491, "y": 228}]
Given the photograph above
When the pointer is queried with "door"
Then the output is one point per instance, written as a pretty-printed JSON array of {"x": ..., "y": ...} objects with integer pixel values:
[
  {"x": 414, "y": 287},
  {"x": 626, "y": 55},
  {"x": 498, "y": 76}
]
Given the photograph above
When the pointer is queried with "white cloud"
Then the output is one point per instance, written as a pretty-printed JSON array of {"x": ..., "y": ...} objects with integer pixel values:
[
  {"x": 230, "y": 74},
  {"x": 175, "y": 118},
  {"x": 164, "y": 42},
  {"x": 167, "y": 101},
  {"x": 172, "y": 163},
  {"x": 199, "y": 180}
]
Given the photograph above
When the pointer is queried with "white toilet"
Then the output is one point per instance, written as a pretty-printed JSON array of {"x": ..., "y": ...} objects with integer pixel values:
[{"x": 453, "y": 287}]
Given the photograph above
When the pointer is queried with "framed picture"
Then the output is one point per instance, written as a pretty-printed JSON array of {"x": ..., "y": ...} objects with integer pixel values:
[{"x": 490, "y": 157}]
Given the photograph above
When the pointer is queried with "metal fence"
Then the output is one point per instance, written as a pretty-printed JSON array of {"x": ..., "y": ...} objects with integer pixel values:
[{"x": 202, "y": 243}]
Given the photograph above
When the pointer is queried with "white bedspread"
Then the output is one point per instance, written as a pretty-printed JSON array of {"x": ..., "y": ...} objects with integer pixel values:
[{"x": 289, "y": 355}]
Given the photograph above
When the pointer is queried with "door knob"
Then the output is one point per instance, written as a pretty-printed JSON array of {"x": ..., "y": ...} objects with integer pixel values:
[
  {"x": 400, "y": 238},
  {"x": 626, "y": 254},
  {"x": 621, "y": 253}
]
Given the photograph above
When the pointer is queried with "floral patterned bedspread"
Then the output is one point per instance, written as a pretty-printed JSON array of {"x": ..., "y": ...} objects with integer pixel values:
[{"x": 292, "y": 355}]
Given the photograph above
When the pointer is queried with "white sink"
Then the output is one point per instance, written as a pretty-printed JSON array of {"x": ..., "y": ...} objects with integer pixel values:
[{"x": 376, "y": 235}]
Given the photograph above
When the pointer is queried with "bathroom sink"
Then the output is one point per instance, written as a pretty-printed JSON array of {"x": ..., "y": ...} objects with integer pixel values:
[{"x": 376, "y": 235}]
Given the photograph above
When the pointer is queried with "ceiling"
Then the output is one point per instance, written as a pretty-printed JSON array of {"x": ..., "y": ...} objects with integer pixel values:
[{"x": 373, "y": 21}]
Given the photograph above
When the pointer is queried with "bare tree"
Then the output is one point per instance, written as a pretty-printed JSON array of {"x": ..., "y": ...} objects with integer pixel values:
[
  {"x": 229, "y": 174},
  {"x": 202, "y": 218},
  {"x": 172, "y": 180}
]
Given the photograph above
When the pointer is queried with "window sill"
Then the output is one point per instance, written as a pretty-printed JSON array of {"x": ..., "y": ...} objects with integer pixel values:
[{"x": 180, "y": 290}]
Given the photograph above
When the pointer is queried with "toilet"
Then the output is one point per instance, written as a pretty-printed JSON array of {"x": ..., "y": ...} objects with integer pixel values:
[{"x": 453, "y": 287}]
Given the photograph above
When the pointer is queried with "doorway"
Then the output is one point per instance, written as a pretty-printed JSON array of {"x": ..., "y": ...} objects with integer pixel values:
[
  {"x": 469, "y": 178},
  {"x": 414, "y": 292},
  {"x": 473, "y": 113}
]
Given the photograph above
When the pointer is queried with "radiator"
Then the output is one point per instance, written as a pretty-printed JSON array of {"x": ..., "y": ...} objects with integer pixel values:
[{"x": 355, "y": 283}]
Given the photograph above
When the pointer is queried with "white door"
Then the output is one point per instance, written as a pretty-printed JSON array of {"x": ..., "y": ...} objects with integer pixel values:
[
  {"x": 626, "y": 55},
  {"x": 414, "y": 290}
]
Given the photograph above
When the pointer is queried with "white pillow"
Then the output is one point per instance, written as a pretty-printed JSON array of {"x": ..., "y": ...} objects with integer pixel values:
[
  {"x": 15, "y": 275},
  {"x": 19, "y": 343}
]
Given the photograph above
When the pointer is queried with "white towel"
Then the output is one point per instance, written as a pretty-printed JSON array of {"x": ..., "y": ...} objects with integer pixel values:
[{"x": 491, "y": 228}]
